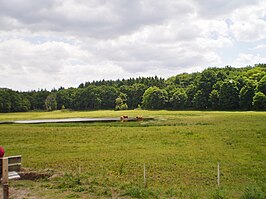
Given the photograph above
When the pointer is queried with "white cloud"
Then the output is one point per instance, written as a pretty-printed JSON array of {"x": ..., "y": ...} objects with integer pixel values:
[
  {"x": 249, "y": 23},
  {"x": 45, "y": 65},
  {"x": 53, "y": 43},
  {"x": 260, "y": 47},
  {"x": 248, "y": 60}
]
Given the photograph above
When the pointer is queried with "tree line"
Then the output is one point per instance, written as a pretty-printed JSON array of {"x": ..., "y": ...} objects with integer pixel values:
[{"x": 225, "y": 88}]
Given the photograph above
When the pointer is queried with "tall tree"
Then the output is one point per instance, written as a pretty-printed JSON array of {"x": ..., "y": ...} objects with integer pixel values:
[
  {"x": 262, "y": 85},
  {"x": 65, "y": 98},
  {"x": 179, "y": 99},
  {"x": 207, "y": 80},
  {"x": 120, "y": 102},
  {"x": 229, "y": 98},
  {"x": 199, "y": 101},
  {"x": 134, "y": 94},
  {"x": 190, "y": 91},
  {"x": 88, "y": 98},
  {"x": 259, "y": 101},
  {"x": 50, "y": 102},
  {"x": 214, "y": 99},
  {"x": 246, "y": 96},
  {"x": 5, "y": 101},
  {"x": 39, "y": 98},
  {"x": 107, "y": 95},
  {"x": 154, "y": 98},
  {"x": 19, "y": 103}
]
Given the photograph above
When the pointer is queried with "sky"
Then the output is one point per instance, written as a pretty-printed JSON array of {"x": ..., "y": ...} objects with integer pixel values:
[{"x": 53, "y": 43}]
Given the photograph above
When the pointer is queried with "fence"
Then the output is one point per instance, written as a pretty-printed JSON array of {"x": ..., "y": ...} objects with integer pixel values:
[{"x": 170, "y": 174}]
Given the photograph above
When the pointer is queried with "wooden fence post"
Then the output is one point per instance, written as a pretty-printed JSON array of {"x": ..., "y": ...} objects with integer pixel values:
[
  {"x": 218, "y": 174},
  {"x": 5, "y": 178}
]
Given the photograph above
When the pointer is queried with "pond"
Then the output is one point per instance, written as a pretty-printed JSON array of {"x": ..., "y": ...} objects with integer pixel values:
[{"x": 72, "y": 120}]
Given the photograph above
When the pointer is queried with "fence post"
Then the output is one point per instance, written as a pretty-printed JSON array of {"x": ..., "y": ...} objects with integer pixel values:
[
  {"x": 5, "y": 178},
  {"x": 218, "y": 174},
  {"x": 79, "y": 169},
  {"x": 144, "y": 176}
]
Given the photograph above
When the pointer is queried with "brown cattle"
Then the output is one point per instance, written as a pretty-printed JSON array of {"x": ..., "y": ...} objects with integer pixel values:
[
  {"x": 124, "y": 118},
  {"x": 139, "y": 118}
]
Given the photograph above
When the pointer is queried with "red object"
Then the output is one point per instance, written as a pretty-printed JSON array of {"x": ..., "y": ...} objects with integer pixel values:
[{"x": 2, "y": 152}]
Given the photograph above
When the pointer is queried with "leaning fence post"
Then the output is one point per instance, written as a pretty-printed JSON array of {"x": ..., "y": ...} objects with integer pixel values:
[
  {"x": 5, "y": 178},
  {"x": 218, "y": 174}
]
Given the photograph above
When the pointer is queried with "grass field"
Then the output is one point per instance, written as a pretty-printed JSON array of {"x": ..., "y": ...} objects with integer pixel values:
[{"x": 180, "y": 150}]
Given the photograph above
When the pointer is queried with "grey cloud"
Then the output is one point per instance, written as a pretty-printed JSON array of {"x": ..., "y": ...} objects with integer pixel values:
[
  {"x": 99, "y": 19},
  {"x": 218, "y": 8},
  {"x": 147, "y": 57}
]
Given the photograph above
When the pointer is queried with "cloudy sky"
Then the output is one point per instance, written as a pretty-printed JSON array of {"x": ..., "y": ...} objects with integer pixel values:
[{"x": 53, "y": 43}]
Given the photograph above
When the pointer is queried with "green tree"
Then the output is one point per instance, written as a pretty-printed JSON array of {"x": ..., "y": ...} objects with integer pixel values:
[
  {"x": 255, "y": 73},
  {"x": 199, "y": 100},
  {"x": 246, "y": 96},
  {"x": 23, "y": 105},
  {"x": 50, "y": 102},
  {"x": 190, "y": 91},
  {"x": 202, "y": 91},
  {"x": 182, "y": 80},
  {"x": 107, "y": 95},
  {"x": 262, "y": 85},
  {"x": 137, "y": 91},
  {"x": 154, "y": 98},
  {"x": 229, "y": 98},
  {"x": 5, "y": 101},
  {"x": 259, "y": 101},
  {"x": 217, "y": 86},
  {"x": 207, "y": 80},
  {"x": 221, "y": 76},
  {"x": 19, "y": 103},
  {"x": 214, "y": 99},
  {"x": 88, "y": 98},
  {"x": 120, "y": 102},
  {"x": 38, "y": 99},
  {"x": 179, "y": 99},
  {"x": 65, "y": 97},
  {"x": 13, "y": 101},
  {"x": 134, "y": 94}
]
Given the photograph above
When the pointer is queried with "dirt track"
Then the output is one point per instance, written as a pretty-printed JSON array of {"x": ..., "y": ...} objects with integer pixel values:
[{"x": 18, "y": 193}]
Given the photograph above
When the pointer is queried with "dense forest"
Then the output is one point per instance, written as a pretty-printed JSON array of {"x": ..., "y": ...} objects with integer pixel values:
[{"x": 225, "y": 88}]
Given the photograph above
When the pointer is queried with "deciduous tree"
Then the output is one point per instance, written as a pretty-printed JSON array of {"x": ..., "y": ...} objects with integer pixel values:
[
  {"x": 179, "y": 99},
  {"x": 259, "y": 101},
  {"x": 50, "y": 102},
  {"x": 229, "y": 96},
  {"x": 154, "y": 98}
]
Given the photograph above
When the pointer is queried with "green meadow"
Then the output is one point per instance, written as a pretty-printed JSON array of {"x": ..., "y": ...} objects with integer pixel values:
[{"x": 180, "y": 151}]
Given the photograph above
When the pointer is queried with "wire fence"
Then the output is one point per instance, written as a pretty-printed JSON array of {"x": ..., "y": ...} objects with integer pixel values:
[{"x": 167, "y": 174}]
